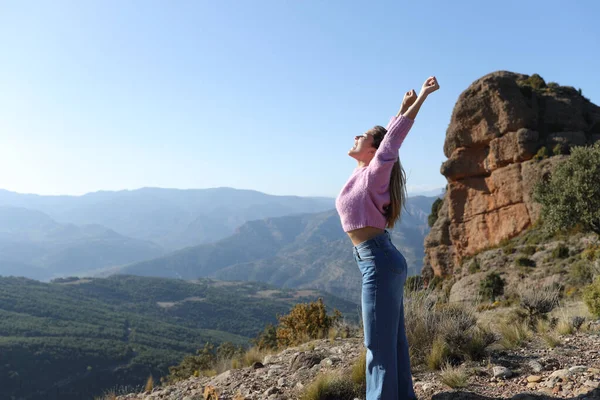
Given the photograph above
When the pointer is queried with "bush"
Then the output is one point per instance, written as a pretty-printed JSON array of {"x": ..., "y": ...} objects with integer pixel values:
[
  {"x": 535, "y": 81},
  {"x": 203, "y": 361},
  {"x": 329, "y": 387},
  {"x": 441, "y": 333},
  {"x": 524, "y": 262},
  {"x": 541, "y": 154},
  {"x": 538, "y": 302},
  {"x": 572, "y": 194},
  {"x": 591, "y": 297},
  {"x": 581, "y": 272},
  {"x": 577, "y": 321},
  {"x": 435, "y": 209},
  {"x": 560, "y": 251},
  {"x": 304, "y": 322},
  {"x": 491, "y": 286},
  {"x": 454, "y": 377},
  {"x": 267, "y": 339}
]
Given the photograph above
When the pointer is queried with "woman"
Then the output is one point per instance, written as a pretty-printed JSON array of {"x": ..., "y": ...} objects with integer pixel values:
[{"x": 371, "y": 201}]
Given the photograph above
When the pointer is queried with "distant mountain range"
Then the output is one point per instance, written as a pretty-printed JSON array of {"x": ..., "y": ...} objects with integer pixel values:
[
  {"x": 309, "y": 250},
  {"x": 171, "y": 218},
  {"x": 305, "y": 247},
  {"x": 34, "y": 245}
]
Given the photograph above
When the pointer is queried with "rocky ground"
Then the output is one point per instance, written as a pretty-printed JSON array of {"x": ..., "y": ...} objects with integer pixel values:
[{"x": 568, "y": 371}]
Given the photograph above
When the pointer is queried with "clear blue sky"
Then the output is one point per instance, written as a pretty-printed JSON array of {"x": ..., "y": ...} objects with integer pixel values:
[{"x": 266, "y": 95}]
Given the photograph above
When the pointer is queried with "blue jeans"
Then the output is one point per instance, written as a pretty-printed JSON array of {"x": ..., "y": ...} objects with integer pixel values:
[{"x": 384, "y": 271}]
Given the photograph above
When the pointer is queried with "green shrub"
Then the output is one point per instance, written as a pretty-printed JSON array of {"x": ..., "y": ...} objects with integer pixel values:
[
  {"x": 204, "y": 360},
  {"x": 581, "y": 272},
  {"x": 541, "y": 154},
  {"x": 591, "y": 297},
  {"x": 491, "y": 286},
  {"x": 435, "y": 209},
  {"x": 267, "y": 339},
  {"x": 304, "y": 322},
  {"x": 524, "y": 262},
  {"x": 535, "y": 81},
  {"x": 560, "y": 251},
  {"x": 571, "y": 196}
]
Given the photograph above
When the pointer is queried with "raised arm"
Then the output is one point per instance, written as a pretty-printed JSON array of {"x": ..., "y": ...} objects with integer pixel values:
[
  {"x": 409, "y": 98},
  {"x": 430, "y": 86},
  {"x": 387, "y": 152}
]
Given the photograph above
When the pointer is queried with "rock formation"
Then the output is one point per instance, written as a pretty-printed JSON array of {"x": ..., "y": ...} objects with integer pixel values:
[{"x": 497, "y": 127}]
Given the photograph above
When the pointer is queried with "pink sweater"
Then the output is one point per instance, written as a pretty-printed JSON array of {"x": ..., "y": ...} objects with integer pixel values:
[{"x": 363, "y": 198}]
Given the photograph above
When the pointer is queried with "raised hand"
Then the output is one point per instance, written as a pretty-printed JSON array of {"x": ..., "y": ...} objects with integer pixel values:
[
  {"x": 430, "y": 86},
  {"x": 409, "y": 98}
]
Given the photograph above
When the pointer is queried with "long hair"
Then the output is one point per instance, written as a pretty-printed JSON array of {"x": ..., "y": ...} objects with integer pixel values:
[{"x": 397, "y": 183}]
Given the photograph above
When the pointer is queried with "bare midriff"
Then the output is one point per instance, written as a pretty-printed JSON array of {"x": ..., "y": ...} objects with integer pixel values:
[{"x": 363, "y": 234}]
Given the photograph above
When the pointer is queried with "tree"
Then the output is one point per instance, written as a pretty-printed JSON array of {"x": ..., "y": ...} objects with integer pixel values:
[
  {"x": 571, "y": 196},
  {"x": 492, "y": 286}
]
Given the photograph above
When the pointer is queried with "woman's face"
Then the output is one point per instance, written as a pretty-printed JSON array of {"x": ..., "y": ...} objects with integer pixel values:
[{"x": 363, "y": 149}]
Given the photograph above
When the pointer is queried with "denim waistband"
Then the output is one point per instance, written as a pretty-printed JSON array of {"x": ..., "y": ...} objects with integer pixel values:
[{"x": 381, "y": 240}]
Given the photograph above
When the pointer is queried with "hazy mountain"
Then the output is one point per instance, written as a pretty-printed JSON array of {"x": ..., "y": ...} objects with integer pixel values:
[
  {"x": 309, "y": 250},
  {"x": 34, "y": 245},
  {"x": 171, "y": 218},
  {"x": 73, "y": 339},
  {"x": 428, "y": 193}
]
